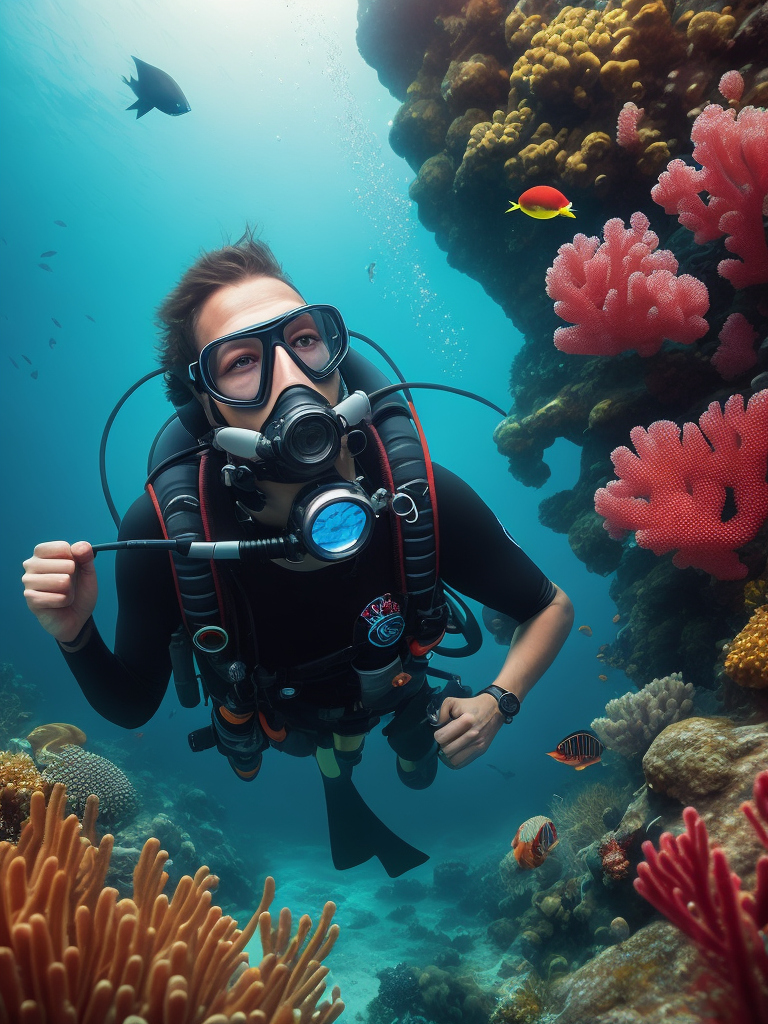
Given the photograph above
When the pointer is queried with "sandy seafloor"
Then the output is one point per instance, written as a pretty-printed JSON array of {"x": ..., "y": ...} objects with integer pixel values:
[{"x": 361, "y": 953}]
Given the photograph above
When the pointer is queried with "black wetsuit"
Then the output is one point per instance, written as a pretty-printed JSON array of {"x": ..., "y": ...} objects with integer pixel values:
[{"x": 299, "y": 616}]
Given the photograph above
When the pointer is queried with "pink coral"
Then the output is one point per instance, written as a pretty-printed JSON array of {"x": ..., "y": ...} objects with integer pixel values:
[
  {"x": 733, "y": 153},
  {"x": 673, "y": 493},
  {"x": 630, "y": 116},
  {"x": 622, "y": 295},
  {"x": 736, "y": 352},
  {"x": 731, "y": 86},
  {"x": 692, "y": 884}
]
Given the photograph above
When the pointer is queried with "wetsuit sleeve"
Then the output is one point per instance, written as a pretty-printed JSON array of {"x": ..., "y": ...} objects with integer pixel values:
[
  {"x": 127, "y": 687},
  {"x": 480, "y": 559}
]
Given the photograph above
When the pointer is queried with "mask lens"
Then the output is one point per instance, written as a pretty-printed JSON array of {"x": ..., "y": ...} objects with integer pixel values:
[
  {"x": 235, "y": 368},
  {"x": 315, "y": 338}
]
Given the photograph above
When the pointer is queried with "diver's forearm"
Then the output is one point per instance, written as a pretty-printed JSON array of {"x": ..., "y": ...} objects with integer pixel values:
[
  {"x": 112, "y": 690},
  {"x": 535, "y": 646}
]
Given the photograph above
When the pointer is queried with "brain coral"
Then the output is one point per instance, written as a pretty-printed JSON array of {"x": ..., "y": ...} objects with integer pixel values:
[
  {"x": 747, "y": 660},
  {"x": 84, "y": 773},
  {"x": 635, "y": 719}
]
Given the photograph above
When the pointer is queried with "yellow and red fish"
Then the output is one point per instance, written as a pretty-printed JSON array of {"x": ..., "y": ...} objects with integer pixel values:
[
  {"x": 579, "y": 750},
  {"x": 543, "y": 202},
  {"x": 586, "y": 630},
  {"x": 533, "y": 842}
]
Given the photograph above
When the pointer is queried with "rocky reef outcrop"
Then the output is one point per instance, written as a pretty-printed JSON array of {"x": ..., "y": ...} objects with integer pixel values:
[{"x": 593, "y": 100}]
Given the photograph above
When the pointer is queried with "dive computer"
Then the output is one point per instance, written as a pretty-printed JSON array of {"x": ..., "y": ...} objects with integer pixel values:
[{"x": 508, "y": 703}]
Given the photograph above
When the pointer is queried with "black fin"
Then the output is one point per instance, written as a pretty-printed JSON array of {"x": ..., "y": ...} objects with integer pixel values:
[
  {"x": 357, "y": 834},
  {"x": 141, "y": 107}
]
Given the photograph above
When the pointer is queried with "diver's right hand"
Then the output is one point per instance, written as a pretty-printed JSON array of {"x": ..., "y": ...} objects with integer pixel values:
[{"x": 60, "y": 587}]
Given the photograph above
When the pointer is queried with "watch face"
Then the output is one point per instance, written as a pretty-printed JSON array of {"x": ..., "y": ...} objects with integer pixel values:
[{"x": 509, "y": 704}]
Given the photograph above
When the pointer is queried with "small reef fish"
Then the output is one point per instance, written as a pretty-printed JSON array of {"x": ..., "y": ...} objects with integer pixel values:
[
  {"x": 579, "y": 750},
  {"x": 586, "y": 630},
  {"x": 33, "y": 375},
  {"x": 44, "y": 266},
  {"x": 51, "y": 342},
  {"x": 56, "y": 322},
  {"x": 47, "y": 253},
  {"x": 603, "y": 679},
  {"x": 533, "y": 842},
  {"x": 370, "y": 270},
  {"x": 14, "y": 362},
  {"x": 506, "y": 775},
  {"x": 90, "y": 318},
  {"x": 616, "y": 618},
  {"x": 542, "y": 202},
  {"x": 26, "y": 358},
  {"x": 60, "y": 223},
  {"x": 155, "y": 88}
]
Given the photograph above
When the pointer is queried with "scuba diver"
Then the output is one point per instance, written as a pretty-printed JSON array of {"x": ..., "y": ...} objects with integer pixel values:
[{"x": 309, "y": 553}]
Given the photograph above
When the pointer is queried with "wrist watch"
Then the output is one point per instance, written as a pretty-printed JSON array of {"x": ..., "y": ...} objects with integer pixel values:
[{"x": 508, "y": 703}]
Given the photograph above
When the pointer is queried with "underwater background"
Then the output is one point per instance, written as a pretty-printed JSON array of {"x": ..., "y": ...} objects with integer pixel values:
[{"x": 288, "y": 132}]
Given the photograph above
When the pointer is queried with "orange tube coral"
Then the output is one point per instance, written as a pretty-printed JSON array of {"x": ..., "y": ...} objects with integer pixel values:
[{"x": 71, "y": 952}]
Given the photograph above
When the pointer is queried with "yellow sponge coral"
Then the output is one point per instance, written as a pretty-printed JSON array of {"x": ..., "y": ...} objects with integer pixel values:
[{"x": 747, "y": 660}]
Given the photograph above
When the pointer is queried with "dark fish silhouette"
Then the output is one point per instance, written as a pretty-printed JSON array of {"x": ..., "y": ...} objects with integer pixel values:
[
  {"x": 155, "y": 88},
  {"x": 504, "y": 774},
  {"x": 90, "y": 318},
  {"x": 371, "y": 271},
  {"x": 56, "y": 322},
  {"x": 14, "y": 362},
  {"x": 33, "y": 375},
  {"x": 60, "y": 223},
  {"x": 27, "y": 358},
  {"x": 48, "y": 252},
  {"x": 51, "y": 342},
  {"x": 44, "y": 266}
]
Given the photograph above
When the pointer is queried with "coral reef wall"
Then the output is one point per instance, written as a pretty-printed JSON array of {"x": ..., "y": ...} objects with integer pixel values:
[{"x": 594, "y": 101}]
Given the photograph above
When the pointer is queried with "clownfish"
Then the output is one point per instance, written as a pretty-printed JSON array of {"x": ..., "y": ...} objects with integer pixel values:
[
  {"x": 533, "y": 842},
  {"x": 579, "y": 750},
  {"x": 543, "y": 203}
]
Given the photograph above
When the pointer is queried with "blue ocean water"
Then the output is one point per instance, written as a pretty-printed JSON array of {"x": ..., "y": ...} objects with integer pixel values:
[{"x": 288, "y": 132}]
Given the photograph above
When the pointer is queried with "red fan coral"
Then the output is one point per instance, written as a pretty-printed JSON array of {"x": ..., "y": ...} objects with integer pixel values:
[
  {"x": 736, "y": 352},
  {"x": 733, "y": 153},
  {"x": 673, "y": 492},
  {"x": 622, "y": 295},
  {"x": 694, "y": 887}
]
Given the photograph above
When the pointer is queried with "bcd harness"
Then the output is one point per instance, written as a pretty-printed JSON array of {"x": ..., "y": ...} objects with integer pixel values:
[{"x": 184, "y": 497}]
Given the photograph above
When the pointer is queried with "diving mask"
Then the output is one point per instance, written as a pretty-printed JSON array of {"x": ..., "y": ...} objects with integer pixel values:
[{"x": 237, "y": 368}]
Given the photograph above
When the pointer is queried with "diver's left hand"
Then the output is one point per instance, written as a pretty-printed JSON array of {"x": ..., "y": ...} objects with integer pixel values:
[{"x": 467, "y": 727}]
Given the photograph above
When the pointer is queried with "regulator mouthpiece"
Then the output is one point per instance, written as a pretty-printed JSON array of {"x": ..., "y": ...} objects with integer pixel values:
[{"x": 302, "y": 438}]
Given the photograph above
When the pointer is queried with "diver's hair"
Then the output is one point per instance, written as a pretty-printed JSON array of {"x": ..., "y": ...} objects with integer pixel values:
[{"x": 177, "y": 315}]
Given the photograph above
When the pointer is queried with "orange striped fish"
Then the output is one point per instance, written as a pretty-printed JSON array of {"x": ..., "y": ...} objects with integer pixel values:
[
  {"x": 579, "y": 750},
  {"x": 533, "y": 842}
]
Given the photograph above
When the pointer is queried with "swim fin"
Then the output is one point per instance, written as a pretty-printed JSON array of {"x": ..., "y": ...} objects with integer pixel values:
[{"x": 357, "y": 834}]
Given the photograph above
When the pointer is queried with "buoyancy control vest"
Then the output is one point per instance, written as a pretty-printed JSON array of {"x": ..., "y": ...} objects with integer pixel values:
[{"x": 183, "y": 488}]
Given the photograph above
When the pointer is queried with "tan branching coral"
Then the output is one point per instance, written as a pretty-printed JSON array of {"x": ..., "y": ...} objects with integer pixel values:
[
  {"x": 70, "y": 951},
  {"x": 20, "y": 771},
  {"x": 635, "y": 719},
  {"x": 580, "y": 819},
  {"x": 747, "y": 659}
]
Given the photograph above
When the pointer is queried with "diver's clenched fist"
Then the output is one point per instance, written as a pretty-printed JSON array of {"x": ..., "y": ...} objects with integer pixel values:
[{"x": 60, "y": 587}]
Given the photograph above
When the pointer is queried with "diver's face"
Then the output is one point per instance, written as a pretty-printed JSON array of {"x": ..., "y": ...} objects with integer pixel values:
[{"x": 254, "y": 301}]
